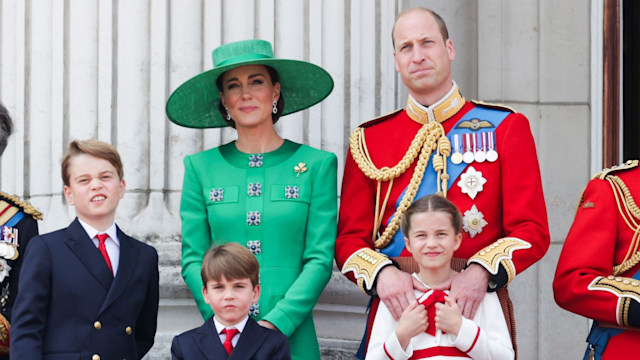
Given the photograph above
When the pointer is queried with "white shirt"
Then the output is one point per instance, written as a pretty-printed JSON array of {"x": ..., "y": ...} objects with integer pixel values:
[
  {"x": 112, "y": 243},
  {"x": 240, "y": 326}
]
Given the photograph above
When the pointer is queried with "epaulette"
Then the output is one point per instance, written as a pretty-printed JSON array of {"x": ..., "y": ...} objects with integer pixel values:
[
  {"x": 494, "y": 106},
  {"x": 380, "y": 119},
  {"x": 630, "y": 164},
  {"x": 25, "y": 206}
]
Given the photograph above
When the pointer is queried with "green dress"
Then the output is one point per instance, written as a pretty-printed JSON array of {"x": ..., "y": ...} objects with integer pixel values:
[{"x": 282, "y": 205}]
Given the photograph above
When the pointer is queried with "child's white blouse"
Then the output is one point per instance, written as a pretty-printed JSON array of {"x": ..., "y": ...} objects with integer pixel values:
[{"x": 484, "y": 337}]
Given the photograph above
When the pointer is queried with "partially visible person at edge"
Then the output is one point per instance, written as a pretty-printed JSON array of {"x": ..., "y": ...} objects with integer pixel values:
[
  {"x": 598, "y": 273},
  {"x": 274, "y": 196},
  {"x": 19, "y": 225},
  {"x": 480, "y": 156}
]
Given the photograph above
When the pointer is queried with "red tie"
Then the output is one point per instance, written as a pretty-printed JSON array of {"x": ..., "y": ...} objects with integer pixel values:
[
  {"x": 430, "y": 303},
  {"x": 103, "y": 249},
  {"x": 228, "y": 345}
]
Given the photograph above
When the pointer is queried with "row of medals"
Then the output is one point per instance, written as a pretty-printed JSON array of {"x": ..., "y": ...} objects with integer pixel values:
[{"x": 477, "y": 147}]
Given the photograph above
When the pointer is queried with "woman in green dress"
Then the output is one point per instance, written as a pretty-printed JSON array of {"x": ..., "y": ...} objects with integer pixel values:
[{"x": 275, "y": 196}]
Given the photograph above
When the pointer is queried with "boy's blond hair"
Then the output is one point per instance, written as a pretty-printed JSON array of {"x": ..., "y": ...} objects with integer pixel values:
[
  {"x": 231, "y": 260},
  {"x": 93, "y": 147}
]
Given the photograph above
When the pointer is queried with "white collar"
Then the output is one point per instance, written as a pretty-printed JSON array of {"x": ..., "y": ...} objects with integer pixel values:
[
  {"x": 240, "y": 325},
  {"x": 92, "y": 232}
]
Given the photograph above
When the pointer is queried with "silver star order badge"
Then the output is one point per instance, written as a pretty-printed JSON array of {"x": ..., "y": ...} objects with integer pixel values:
[
  {"x": 471, "y": 182},
  {"x": 473, "y": 221}
]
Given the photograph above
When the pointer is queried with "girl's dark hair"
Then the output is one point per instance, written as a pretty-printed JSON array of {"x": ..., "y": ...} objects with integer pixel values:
[
  {"x": 432, "y": 203},
  {"x": 273, "y": 74}
]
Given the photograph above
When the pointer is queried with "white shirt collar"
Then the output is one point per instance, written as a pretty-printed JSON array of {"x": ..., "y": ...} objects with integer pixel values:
[
  {"x": 92, "y": 232},
  {"x": 240, "y": 326}
]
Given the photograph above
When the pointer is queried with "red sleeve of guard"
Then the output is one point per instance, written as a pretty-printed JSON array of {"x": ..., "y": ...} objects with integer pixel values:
[{"x": 590, "y": 251}]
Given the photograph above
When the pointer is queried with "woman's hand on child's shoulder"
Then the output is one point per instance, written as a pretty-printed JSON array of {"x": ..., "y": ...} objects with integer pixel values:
[
  {"x": 267, "y": 324},
  {"x": 448, "y": 316},
  {"x": 414, "y": 320}
]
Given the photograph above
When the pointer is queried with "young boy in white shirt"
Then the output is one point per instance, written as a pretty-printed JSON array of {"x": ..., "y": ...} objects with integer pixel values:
[{"x": 230, "y": 274}]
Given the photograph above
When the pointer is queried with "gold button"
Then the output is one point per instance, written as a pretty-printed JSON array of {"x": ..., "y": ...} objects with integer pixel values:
[
  {"x": 95, "y": 357},
  {"x": 98, "y": 326},
  {"x": 128, "y": 330}
]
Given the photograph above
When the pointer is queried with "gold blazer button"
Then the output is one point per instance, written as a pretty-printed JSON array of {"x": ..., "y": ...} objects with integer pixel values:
[
  {"x": 128, "y": 330},
  {"x": 95, "y": 357},
  {"x": 98, "y": 326}
]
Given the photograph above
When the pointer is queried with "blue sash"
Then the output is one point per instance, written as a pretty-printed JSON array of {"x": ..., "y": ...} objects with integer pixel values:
[
  {"x": 599, "y": 336},
  {"x": 15, "y": 219},
  {"x": 429, "y": 182}
]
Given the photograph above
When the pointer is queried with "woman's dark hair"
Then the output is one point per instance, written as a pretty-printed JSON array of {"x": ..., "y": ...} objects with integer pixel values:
[
  {"x": 273, "y": 74},
  {"x": 432, "y": 203}
]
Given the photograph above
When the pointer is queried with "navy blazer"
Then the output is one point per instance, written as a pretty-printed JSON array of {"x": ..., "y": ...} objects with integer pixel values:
[
  {"x": 255, "y": 343},
  {"x": 69, "y": 306}
]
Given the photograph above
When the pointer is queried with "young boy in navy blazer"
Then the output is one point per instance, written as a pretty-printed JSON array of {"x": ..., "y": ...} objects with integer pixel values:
[
  {"x": 88, "y": 291},
  {"x": 230, "y": 274}
]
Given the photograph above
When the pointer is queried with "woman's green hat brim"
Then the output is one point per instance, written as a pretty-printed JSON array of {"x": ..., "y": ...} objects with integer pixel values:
[{"x": 194, "y": 104}]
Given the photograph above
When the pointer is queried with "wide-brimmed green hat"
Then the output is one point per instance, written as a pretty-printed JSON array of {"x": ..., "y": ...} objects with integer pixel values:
[{"x": 195, "y": 103}]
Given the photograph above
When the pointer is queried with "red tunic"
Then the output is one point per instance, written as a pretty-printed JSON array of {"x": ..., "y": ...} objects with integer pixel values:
[
  {"x": 511, "y": 201},
  {"x": 597, "y": 241}
]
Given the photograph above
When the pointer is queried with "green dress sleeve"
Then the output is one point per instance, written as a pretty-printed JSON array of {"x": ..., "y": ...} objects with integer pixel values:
[{"x": 319, "y": 242}]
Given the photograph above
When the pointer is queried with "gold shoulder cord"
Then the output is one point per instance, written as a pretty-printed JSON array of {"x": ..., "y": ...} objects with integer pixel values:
[
  {"x": 429, "y": 138},
  {"x": 26, "y": 207},
  {"x": 630, "y": 213}
]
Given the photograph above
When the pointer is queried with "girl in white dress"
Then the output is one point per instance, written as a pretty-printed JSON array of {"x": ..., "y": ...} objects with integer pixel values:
[{"x": 433, "y": 327}]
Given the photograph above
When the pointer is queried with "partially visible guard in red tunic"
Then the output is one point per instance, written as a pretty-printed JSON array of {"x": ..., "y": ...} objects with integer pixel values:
[{"x": 599, "y": 267}]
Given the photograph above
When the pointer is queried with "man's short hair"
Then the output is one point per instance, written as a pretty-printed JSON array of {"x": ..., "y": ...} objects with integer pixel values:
[
  {"x": 7, "y": 128},
  {"x": 93, "y": 147},
  {"x": 231, "y": 261},
  {"x": 439, "y": 20}
]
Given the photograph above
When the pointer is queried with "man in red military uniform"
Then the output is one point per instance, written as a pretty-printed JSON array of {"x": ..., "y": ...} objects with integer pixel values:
[
  {"x": 481, "y": 157},
  {"x": 598, "y": 273}
]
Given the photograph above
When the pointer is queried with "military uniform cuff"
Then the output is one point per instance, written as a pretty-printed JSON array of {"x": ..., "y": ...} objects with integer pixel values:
[
  {"x": 374, "y": 291},
  {"x": 634, "y": 314},
  {"x": 628, "y": 292},
  {"x": 497, "y": 259},
  {"x": 365, "y": 264}
]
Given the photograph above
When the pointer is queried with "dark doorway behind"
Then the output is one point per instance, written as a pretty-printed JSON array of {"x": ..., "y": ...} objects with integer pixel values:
[{"x": 631, "y": 78}]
